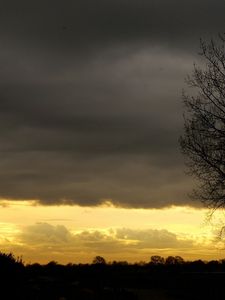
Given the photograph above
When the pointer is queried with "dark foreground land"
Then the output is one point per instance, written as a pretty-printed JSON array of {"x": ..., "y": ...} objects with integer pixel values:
[{"x": 115, "y": 281}]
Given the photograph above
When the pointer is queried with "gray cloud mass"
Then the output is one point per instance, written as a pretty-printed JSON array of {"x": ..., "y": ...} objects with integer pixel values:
[
  {"x": 44, "y": 235},
  {"x": 90, "y": 98}
]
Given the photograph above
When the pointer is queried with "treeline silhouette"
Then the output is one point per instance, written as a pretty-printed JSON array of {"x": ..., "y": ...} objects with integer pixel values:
[{"x": 160, "y": 278}]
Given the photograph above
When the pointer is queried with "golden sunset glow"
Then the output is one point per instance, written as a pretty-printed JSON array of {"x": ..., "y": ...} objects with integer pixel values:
[{"x": 76, "y": 234}]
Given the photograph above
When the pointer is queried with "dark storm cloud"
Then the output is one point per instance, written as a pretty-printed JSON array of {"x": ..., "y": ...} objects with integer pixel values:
[
  {"x": 85, "y": 22},
  {"x": 90, "y": 98}
]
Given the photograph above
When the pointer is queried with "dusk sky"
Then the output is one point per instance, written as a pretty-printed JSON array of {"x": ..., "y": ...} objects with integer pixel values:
[{"x": 90, "y": 116}]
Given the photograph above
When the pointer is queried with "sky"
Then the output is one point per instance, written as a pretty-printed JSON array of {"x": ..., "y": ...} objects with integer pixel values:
[{"x": 90, "y": 116}]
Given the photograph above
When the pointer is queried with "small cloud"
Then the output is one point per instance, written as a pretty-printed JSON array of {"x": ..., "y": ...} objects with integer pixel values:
[
  {"x": 153, "y": 238},
  {"x": 45, "y": 233}
]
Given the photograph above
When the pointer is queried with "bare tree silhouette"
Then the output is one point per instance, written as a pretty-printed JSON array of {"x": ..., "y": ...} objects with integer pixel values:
[{"x": 203, "y": 141}]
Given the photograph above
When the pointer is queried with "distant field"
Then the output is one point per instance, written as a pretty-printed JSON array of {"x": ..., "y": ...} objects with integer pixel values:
[{"x": 153, "y": 294}]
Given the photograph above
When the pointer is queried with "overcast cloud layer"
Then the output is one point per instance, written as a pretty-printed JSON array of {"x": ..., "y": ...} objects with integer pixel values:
[{"x": 90, "y": 98}]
